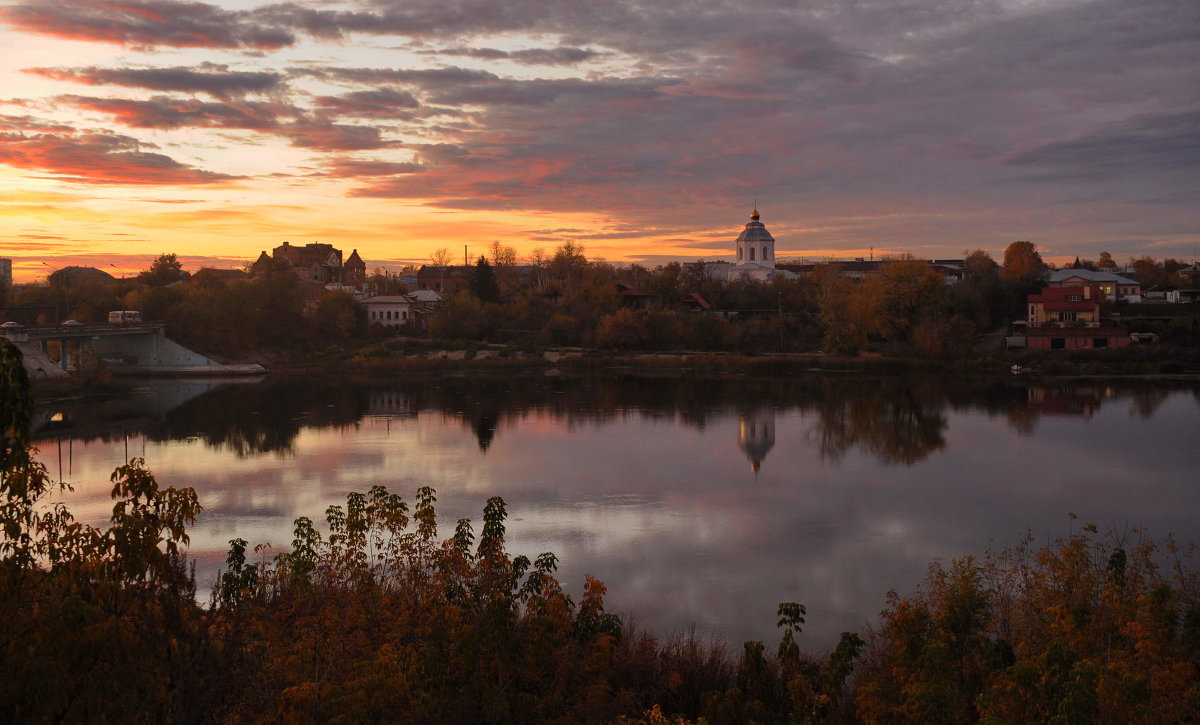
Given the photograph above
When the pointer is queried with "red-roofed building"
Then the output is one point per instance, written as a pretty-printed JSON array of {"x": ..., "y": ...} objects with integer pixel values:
[
  {"x": 316, "y": 262},
  {"x": 320, "y": 269},
  {"x": 1065, "y": 306},
  {"x": 354, "y": 271},
  {"x": 1062, "y": 318}
]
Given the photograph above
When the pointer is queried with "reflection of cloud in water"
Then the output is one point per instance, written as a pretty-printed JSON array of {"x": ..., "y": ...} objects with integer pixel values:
[{"x": 666, "y": 512}]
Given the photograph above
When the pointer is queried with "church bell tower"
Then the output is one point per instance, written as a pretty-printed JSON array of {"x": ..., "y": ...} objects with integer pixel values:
[{"x": 755, "y": 244}]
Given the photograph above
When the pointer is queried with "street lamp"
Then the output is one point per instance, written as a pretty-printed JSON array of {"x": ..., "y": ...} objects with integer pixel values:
[{"x": 53, "y": 289}]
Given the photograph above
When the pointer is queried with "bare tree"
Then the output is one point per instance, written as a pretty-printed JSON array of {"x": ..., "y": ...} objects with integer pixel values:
[{"x": 440, "y": 257}]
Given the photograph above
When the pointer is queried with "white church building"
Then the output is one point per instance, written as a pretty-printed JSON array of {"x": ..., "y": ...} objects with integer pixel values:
[{"x": 755, "y": 255}]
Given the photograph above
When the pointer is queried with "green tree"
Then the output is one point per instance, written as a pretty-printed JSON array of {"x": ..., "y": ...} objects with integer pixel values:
[
  {"x": 979, "y": 297},
  {"x": 911, "y": 293},
  {"x": 338, "y": 316},
  {"x": 483, "y": 282},
  {"x": 1022, "y": 274},
  {"x": 163, "y": 271}
]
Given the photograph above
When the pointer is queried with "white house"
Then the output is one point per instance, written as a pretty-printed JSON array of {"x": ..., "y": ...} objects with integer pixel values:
[
  {"x": 390, "y": 310},
  {"x": 1114, "y": 286}
]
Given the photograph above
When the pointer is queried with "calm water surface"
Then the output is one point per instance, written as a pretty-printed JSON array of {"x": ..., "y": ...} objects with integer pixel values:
[{"x": 699, "y": 503}]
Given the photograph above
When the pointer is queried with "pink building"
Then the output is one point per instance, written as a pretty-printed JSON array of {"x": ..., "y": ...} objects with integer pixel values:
[{"x": 1068, "y": 318}]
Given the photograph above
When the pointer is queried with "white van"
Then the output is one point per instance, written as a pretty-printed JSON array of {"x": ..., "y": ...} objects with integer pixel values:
[{"x": 125, "y": 317}]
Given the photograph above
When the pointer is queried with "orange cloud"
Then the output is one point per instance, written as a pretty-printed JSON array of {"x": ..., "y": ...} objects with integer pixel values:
[{"x": 99, "y": 158}]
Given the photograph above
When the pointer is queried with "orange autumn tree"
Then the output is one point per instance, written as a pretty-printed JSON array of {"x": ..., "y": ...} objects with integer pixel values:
[{"x": 1091, "y": 629}]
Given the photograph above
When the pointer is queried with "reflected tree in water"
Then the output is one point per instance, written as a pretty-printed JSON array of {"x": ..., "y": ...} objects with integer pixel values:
[
  {"x": 898, "y": 423},
  {"x": 251, "y": 420},
  {"x": 1146, "y": 401}
]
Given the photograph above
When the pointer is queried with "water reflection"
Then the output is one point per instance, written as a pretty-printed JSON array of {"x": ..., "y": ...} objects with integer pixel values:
[
  {"x": 898, "y": 423},
  {"x": 756, "y": 435},
  {"x": 696, "y": 501},
  {"x": 897, "y": 420}
]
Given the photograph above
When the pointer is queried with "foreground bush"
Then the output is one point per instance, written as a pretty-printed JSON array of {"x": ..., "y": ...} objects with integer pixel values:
[{"x": 1090, "y": 629}]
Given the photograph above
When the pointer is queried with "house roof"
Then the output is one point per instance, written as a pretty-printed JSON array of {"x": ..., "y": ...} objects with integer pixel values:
[
  {"x": 755, "y": 230},
  {"x": 430, "y": 270},
  {"x": 424, "y": 295},
  {"x": 1060, "y": 275},
  {"x": 1058, "y": 299},
  {"x": 625, "y": 290},
  {"x": 315, "y": 253},
  {"x": 76, "y": 275},
  {"x": 220, "y": 273},
  {"x": 388, "y": 300}
]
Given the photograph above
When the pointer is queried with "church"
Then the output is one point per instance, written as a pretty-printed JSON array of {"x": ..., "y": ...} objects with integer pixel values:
[{"x": 755, "y": 255}]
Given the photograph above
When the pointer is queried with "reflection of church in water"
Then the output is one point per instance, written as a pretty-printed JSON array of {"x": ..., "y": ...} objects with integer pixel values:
[{"x": 756, "y": 435}]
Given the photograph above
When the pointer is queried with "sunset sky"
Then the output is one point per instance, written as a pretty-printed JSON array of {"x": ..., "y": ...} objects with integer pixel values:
[{"x": 644, "y": 131}]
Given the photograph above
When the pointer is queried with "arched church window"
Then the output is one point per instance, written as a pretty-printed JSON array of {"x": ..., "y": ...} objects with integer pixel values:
[
  {"x": 739, "y": 254},
  {"x": 751, "y": 254}
]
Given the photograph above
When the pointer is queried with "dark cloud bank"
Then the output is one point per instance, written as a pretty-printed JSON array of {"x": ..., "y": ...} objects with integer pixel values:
[{"x": 826, "y": 110}]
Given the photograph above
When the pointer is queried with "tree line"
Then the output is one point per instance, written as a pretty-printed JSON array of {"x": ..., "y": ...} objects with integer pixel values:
[
  {"x": 566, "y": 299},
  {"x": 573, "y": 301}
]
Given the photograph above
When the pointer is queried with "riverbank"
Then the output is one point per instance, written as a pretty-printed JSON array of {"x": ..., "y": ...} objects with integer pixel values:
[{"x": 408, "y": 356}]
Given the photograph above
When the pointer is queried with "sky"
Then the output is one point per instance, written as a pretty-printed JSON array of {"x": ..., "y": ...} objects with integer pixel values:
[{"x": 643, "y": 131}]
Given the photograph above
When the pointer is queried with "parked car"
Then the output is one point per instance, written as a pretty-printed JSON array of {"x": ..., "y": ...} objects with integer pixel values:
[
  {"x": 10, "y": 325},
  {"x": 72, "y": 323}
]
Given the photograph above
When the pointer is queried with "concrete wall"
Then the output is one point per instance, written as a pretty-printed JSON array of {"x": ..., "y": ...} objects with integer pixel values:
[
  {"x": 38, "y": 364},
  {"x": 148, "y": 350}
]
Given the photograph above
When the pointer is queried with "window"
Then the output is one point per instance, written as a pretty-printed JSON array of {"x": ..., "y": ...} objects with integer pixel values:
[
  {"x": 1074, "y": 298},
  {"x": 739, "y": 254},
  {"x": 751, "y": 254},
  {"x": 1066, "y": 317},
  {"x": 1100, "y": 342}
]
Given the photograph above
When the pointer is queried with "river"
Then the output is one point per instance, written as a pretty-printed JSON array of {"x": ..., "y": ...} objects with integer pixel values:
[{"x": 700, "y": 503}]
